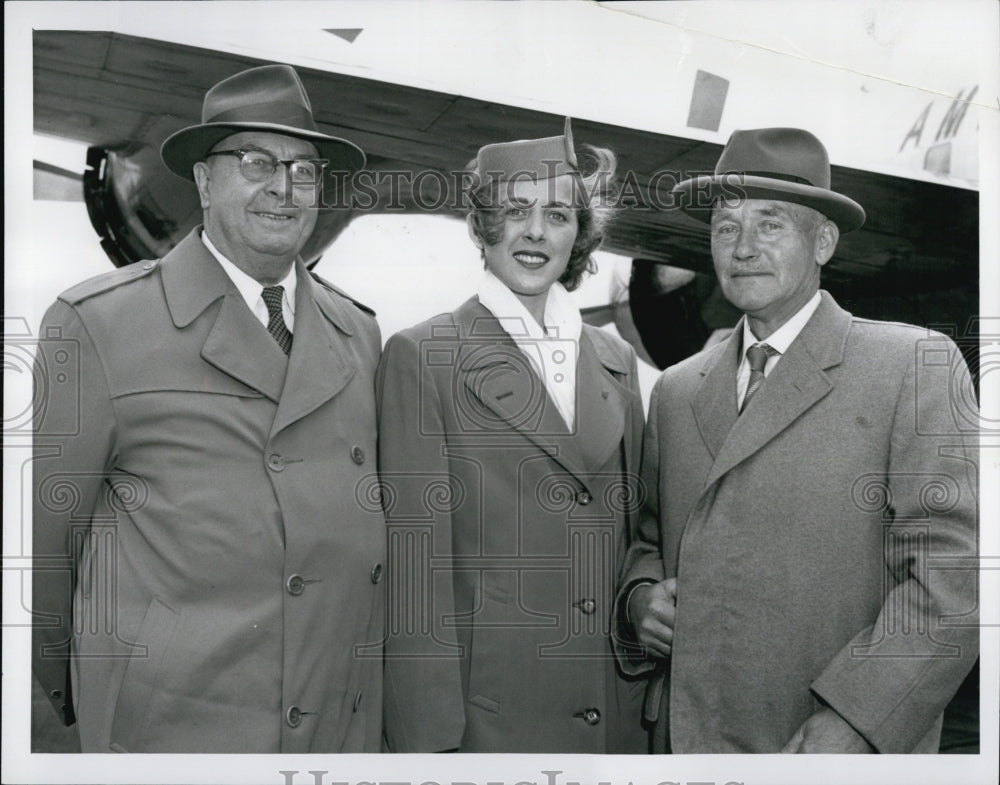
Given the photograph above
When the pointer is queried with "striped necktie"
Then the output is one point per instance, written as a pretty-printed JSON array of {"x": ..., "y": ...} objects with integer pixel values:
[
  {"x": 272, "y": 296},
  {"x": 757, "y": 357}
]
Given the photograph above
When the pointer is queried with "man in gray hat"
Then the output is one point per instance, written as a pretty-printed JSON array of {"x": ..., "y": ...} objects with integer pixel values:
[
  {"x": 205, "y": 578},
  {"x": 796, "y": 581}
]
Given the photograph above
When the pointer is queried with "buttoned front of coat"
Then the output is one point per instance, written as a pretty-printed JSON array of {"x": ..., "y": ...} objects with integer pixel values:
[
  {"x": 506, "y": 529},
  {"x": 223, "y": 591}
]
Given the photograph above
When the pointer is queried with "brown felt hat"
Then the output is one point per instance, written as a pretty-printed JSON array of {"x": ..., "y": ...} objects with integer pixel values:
[
  {"x": 270, "y": 98},
  {"x": 783, "y": 164}
]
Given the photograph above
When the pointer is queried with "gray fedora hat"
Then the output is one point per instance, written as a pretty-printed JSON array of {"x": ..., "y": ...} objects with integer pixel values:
[
  {"x": 783, "y": 164},
  {"x": 270, "y": 98}
]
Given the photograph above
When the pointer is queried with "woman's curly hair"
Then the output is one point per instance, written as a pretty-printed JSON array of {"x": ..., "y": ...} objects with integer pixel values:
[{"x": 595, "y": 191}]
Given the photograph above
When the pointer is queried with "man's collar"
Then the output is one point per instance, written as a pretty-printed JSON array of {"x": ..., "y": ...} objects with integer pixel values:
[
  {"x": 782, "y": 338},
  {"x": 248, "y": 287}
]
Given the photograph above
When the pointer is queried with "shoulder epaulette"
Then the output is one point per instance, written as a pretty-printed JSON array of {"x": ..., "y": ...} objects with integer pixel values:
[
  {"x": 327, "y": 285},
  {"x": 107, "y": 281}
]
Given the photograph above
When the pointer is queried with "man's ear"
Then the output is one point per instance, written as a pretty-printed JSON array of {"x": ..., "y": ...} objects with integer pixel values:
[
  {"x": 202, "y": 177},
  {"x": 827, "y": 235},
  {"x": 470, "y": 224}
]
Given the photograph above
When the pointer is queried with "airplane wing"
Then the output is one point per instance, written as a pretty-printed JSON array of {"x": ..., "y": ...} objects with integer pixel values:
[
  {"x": 126, "y": 95},
  {"x": 123, "y": 95}
]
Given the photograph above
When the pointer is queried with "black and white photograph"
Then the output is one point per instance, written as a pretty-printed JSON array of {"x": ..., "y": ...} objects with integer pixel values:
[{"x": 501, "y": 393}]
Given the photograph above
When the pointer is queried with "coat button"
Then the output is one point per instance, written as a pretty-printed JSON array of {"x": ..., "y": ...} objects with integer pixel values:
[
  {"x": 295, "y": 585},
  {"x": 588, "y": 607},
  {"x": 357, "y": 702},
  {"x": 376, "y": 573},
  {"x": 275, "y": 462},
  {"x": 56, "y": 694},
  {"x": 293, "y": 716},
  {"x": 357, "y": 455},
  {"x": 149, "y": 265},
  {"x": 591, "y": 716},
  {"x": 583, "y": 498}
]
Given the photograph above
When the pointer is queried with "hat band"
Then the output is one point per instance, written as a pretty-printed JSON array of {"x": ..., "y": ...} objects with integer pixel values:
[
  {"x": 791, "y": 178},
  {"x": 270, "y": 113}
]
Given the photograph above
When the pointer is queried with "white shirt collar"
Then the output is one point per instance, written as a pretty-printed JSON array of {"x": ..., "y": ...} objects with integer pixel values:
[
  {"x": 552, "y": 352},
  {"x": 249, "y": 288},
  {"x": 782, "y": 338},
  {"x": 562, "y": 317}
]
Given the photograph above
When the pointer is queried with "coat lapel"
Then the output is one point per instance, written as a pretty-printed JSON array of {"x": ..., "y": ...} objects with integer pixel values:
[
  {"x": 497, "y": 374},
  {"x": 714, "y": 403},
  {"x": 318, "y": 367},
  {"x": 797, "y": 383},
  {"x": 236, "y": 344}
]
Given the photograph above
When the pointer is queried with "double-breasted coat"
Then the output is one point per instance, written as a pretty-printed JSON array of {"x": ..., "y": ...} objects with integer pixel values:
[
  {"x": 823, "y": 541},
  {"x": 505, "y": 532},
  {"x": 196, "y": 489}
]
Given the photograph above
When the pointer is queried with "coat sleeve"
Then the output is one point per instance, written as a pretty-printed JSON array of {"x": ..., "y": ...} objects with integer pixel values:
[
  {"x": 643, "y": 562},
  {"x": 424, "y": 707},
  {"x": 74, "y": 438},
  {"x": 895, "y": 678}
]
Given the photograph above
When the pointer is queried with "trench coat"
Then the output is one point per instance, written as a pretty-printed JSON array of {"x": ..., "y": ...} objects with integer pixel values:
[
  {"x": 505, "y": 532},
  {"x": 205, "y": 580},
  {"x": 823, "y": 541}
]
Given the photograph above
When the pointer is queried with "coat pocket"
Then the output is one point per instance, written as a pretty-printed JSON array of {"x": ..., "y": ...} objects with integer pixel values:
[{"x": 143, "y": 675}]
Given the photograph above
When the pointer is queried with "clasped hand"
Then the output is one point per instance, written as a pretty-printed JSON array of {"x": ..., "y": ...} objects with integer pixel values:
[{"x": 652, "y": 609}]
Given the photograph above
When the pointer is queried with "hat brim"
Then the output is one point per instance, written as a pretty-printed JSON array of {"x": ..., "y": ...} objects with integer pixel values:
[
  {"x": 697, "y": 196},
  {"x": 182, "y": 150}
]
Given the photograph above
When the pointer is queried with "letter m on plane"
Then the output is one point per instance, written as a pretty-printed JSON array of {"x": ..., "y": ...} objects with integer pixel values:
[{"x": 953, "y": 117}]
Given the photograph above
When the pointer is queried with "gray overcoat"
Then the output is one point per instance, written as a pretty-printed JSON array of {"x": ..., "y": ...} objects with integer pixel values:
[
  {"x": 824, "y": 541},
  {"x": 196, "y": 489}
]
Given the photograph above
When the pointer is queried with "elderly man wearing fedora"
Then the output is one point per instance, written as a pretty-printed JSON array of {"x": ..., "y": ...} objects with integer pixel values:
[
  {"x": 796, "y": 581},
  {"x": 204, "y": 579}
]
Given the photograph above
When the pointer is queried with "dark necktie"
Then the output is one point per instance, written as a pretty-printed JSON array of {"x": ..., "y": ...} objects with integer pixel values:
[
  {"x": 757, "y": 357},
  {"x": 272, "y": 296}
]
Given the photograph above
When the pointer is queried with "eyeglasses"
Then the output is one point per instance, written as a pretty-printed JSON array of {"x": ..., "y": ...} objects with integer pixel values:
[{"x": 258, "y": 166}]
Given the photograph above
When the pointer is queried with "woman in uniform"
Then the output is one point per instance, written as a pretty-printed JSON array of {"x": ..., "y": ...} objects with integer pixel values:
[{"x": 509, "y": 441}]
